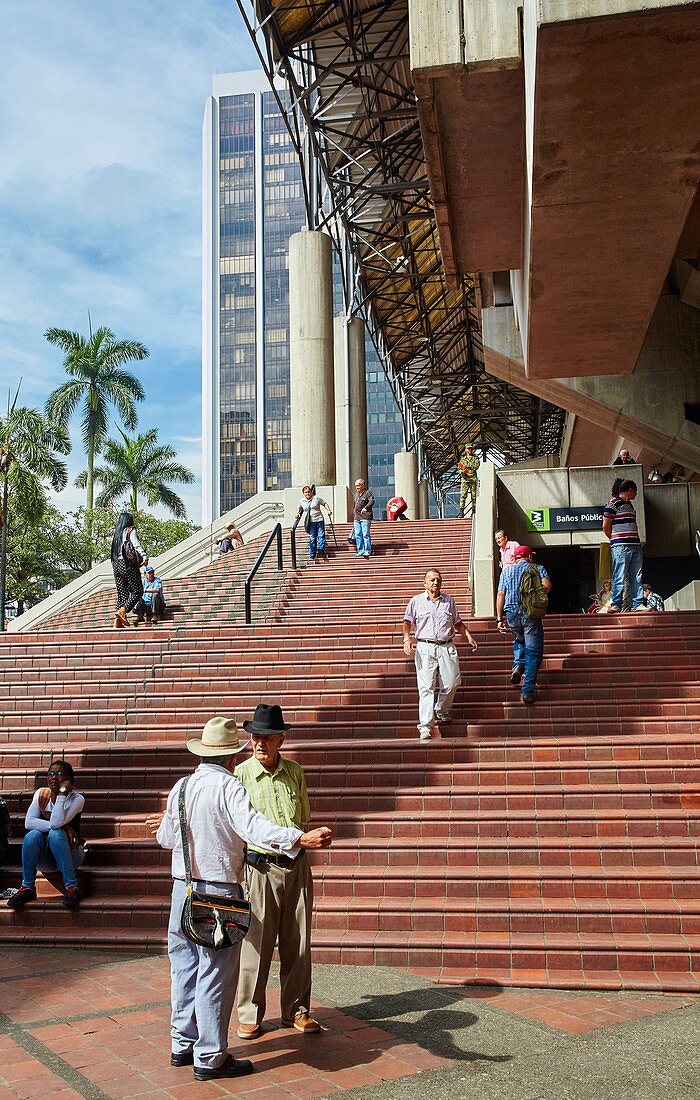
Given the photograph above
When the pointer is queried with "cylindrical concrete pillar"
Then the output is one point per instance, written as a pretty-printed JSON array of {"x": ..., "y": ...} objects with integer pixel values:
[
  {"x": 350, "y": 400},
  {"x": 423, "y": 500},
  {"x": 406, "y": 481},
  {"x": 311, "y": 359}
]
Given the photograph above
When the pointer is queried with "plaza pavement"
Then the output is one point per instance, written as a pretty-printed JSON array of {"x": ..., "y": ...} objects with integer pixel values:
[{"x": 95, "y": 1025}]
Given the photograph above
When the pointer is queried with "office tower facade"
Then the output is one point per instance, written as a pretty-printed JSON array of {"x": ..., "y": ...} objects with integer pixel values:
[{"x": 252, "y": 204}]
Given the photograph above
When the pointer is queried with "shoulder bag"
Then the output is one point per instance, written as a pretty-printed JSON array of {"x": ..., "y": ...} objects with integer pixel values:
[{"x": 209, "y": 920}]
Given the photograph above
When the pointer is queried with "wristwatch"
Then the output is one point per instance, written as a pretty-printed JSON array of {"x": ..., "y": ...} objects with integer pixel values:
[{"x": 62, "y": 790}]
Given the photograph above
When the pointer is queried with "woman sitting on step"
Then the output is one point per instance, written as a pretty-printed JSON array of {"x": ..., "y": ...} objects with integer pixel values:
[{"x": 53, "y": 843}]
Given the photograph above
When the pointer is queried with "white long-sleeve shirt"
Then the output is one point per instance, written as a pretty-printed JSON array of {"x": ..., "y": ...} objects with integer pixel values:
[
  {"x": 220, "y": 818},
  {"x": 62, "y": 811}
]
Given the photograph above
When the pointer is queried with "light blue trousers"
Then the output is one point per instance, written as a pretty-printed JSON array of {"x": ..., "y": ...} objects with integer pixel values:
[
  {"x": 202, "y": 991},
  {"x": 50, "y": 852}
]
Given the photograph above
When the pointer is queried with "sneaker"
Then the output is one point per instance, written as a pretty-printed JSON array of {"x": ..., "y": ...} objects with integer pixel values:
[
  {"x": 230, "y": 1067},
  {"x": 23, "y": 895},
  {"x": 71, "y": 898},
  {"x": 425, "y": 736},
  {"x": 528, "y": 700},
  {"x": 442, "y": 716},
  {"x": 516, "y": 676},
  {"x": 612, "y": 609}
]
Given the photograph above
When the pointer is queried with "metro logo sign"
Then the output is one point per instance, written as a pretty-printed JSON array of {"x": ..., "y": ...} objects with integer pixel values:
[{"x": 564, "y": 519}]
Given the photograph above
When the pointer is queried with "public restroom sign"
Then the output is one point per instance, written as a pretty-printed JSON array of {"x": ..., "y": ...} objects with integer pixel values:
[{"x": 553, "y": 520}]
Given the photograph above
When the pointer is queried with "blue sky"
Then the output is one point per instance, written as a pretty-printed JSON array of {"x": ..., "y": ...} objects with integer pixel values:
[{"x": 100, "y": 135}]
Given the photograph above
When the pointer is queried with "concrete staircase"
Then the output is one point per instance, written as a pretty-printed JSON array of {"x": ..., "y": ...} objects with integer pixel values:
[{"x": 553, "y": 845}]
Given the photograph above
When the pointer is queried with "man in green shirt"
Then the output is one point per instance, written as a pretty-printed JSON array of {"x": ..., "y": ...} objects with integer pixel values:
[{"x": 281, "y": 889}]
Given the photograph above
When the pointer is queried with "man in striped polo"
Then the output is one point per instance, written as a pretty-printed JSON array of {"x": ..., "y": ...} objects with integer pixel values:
[{"x": 620, "y": 526}]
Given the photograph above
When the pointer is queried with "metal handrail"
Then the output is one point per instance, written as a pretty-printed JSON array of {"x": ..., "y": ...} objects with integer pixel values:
[
  {"x": 293, "y": 541},
  {"x": 275, "y": 533}
]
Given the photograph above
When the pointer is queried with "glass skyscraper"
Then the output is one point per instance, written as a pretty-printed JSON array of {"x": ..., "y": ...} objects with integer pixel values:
[{"x": 252, "y": 204}]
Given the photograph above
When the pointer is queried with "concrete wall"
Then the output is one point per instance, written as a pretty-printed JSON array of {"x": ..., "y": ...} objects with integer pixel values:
[
  {"x": 482, "y": 556},
  {"x": 669, "y": 531},
  {"x": 254, "y": 517},
  {"x": 686, "y": 599},
  {"x": 560, "y": 488}
]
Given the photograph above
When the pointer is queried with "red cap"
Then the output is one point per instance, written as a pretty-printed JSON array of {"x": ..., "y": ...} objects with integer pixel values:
[{"x": 523, "y": 552}]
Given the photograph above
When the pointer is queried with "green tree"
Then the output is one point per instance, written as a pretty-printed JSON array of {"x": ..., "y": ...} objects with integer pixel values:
[
  {"x": 97, "y": 380},
  {"x": 140, "y": 465},
  {"x": 83, "y": 538},
  {"x": 29, "y": 449},
  {"x": 35, "y": 564}
]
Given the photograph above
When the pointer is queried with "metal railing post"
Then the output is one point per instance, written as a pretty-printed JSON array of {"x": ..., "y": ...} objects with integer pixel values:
[
  {"x": 275, "y": 533},
  {"x": 293, "y": 541}
]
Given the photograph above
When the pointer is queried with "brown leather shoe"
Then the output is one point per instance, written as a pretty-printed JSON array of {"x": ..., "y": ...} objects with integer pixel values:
[
  {"x": 123, "y": 617},
  {"x": 248, "y": 1031},
  {"x": 304, "y": 1023}
]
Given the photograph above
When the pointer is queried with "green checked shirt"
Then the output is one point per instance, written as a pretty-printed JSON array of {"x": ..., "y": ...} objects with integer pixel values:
[{"x": 280, "y": 795}]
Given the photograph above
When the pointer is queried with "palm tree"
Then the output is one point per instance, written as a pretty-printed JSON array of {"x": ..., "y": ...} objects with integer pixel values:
[
  {"x": 98, "y": 381},
  {"x": 140, "y": 466},
  {"x": 29, "y": 445}
]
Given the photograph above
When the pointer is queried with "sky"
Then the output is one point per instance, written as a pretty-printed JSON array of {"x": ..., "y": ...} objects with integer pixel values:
[{"x": 100, "y": 192}]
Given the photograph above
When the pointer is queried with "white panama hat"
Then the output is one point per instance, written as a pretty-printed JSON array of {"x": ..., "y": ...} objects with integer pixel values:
[{"x": 219, "y": 738}]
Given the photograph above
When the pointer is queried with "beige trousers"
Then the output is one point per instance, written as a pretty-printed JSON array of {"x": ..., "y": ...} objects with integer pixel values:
[{"x": 281, "y": 904}]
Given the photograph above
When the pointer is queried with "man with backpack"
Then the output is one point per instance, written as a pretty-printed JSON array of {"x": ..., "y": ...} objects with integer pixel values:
[{"x": 521, "y": 605}]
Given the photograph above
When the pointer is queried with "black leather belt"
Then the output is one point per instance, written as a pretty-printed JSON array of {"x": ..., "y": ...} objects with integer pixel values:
[
  {"x": 255, "y": 858},
  {"x": 434, "y": 641}
]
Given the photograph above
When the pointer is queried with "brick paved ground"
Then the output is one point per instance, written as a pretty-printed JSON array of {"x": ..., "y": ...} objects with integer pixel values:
[{"x": 95, "y": 1025}]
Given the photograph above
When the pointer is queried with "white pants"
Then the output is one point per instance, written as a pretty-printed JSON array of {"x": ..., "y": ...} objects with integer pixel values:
[{"x": 433, "y": 661}]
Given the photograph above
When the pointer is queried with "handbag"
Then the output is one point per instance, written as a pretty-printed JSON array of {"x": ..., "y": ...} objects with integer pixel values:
[
  {"x": 129, "y": 552},
  {"x": 209, "y": 920}
]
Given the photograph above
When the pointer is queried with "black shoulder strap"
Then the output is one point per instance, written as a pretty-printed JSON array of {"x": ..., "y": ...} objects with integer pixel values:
[{"x": 183, "y": 832}]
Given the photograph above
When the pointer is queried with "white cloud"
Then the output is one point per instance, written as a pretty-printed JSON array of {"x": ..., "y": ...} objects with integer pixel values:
[{"x": 100, "y": 191}]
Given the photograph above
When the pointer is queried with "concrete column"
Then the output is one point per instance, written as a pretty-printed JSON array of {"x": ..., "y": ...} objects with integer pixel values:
[
  {"x": 406, "y": 481},
  {"x": 423, "y": 500},
  {"x": 350, "y": 400},
  {"x": 311, "y": 359}
]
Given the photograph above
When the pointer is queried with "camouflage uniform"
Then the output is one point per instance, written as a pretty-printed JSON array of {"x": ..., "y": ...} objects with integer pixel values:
[{"x": 467, "y": 466}]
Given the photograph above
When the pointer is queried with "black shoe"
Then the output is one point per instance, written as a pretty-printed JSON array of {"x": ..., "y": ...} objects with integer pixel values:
[
  {"x": 528, "y": 700},
  {"x": 71, "y": 898},
  {"x": 184, "y": 1059},
  {"x": 516, "y": 676},
  {"x": 230, "y": 1067},
  {"x": 23, "y": 895}
]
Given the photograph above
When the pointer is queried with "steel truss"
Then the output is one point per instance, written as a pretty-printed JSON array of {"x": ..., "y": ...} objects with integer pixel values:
[{"x": 352, "y": 116}]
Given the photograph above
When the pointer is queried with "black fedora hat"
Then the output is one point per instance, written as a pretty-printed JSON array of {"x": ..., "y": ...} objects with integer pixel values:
[{"x": 267, "y": 720}]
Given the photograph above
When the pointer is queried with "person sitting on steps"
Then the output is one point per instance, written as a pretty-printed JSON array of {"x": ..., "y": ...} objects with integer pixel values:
[{"x": 53, "y": 842}]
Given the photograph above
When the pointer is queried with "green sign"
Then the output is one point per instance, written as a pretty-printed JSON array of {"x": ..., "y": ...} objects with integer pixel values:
[
  {"x": 589, "y": 518},
  {"x": 537, "y": 519}
]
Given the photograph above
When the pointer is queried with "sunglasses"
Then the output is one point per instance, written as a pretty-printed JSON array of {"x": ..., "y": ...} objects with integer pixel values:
[{"x": 55, "y": 775}]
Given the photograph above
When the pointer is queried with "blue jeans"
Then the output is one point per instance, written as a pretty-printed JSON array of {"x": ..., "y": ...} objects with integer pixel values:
[
  {"x": 528, "y": 647},
  {"x": 363, "y": 542},
  {"x": 317, "y": 538},
  {"x": 627, "y": 564},
  {"x": 50, "y": 852}
]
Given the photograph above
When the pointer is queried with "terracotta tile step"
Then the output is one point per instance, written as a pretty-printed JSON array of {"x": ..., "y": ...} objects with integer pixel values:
[
  {"x": 677, "y": 954},
  {"x": 649, "y": 981},
  {"x": 512, "y": 916},
  {"x": 114, "y": 729},
  {"x": 462, "y": 824},
  {"x": 139, "y": 913},
  {"x": 119, "y": 765},
  {"x": 539, "y": 778},
  {"x": 646, "y": 883},
  {"x": 455, "y": 852},
  {"x": 172, "y": 753}
]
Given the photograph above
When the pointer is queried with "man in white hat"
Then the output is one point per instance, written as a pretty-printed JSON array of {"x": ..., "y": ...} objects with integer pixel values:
[{"x": 220, "y": 818}]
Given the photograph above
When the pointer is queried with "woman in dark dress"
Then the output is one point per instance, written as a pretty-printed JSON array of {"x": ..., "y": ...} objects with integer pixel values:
[{"x": 127, "y": 558}]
